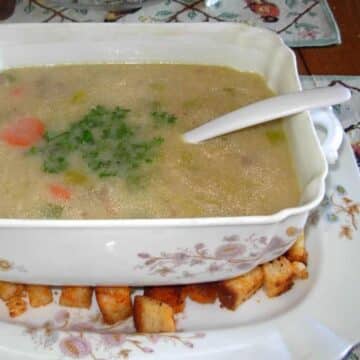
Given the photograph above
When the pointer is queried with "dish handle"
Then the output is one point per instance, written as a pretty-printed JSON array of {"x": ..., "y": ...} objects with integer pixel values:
[{"x": 326, "y": 119}]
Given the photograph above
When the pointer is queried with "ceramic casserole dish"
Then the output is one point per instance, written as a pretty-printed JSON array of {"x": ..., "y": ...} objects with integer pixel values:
[{"x": 162, "y": 251}]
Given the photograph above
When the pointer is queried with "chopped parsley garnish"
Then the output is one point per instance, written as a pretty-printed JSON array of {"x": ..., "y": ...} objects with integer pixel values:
[
  {"x": 160, "y": 117},
  {"x": 52, "y": 211},
  {"x": 7, "y": 78},
  {"x": 163, "y": 118},
  {"x": 106, "y": 142}
]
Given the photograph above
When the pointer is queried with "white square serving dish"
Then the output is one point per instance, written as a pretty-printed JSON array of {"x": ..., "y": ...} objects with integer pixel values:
[{"x": 159, "y": 251}]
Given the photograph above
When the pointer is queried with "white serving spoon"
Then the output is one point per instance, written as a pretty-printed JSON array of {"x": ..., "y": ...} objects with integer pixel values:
[{"x": 267, "y": 110}]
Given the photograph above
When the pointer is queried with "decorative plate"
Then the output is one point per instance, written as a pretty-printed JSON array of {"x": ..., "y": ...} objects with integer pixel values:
[{"x": 317, "y": 319}]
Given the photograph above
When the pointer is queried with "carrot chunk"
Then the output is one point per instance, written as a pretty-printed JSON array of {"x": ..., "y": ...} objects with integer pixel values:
[
  {"x": 24, "y": 132},
  {"x": 17, "y": 92},
  {"x": 60, "y": 192}
]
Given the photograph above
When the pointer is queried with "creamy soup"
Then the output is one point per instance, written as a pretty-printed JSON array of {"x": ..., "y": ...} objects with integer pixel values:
[{"x": 104, "y": 141}]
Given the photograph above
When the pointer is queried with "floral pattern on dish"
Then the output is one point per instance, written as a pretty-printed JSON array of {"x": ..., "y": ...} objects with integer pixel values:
[
  {"x": 339, "y": 208},
  {"x": 100, "y": 343},
  {"x": 236, "y": 254}
]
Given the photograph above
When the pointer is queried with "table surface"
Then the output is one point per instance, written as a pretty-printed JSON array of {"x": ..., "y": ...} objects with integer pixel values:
[{"x": 341, "y": 59}]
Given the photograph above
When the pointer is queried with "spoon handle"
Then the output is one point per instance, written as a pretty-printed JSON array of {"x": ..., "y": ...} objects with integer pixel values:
[{"x": 268, "y": 109}]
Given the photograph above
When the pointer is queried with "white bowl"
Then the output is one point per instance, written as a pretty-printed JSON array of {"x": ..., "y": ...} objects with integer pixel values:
[{"x": 159, "y": 251}]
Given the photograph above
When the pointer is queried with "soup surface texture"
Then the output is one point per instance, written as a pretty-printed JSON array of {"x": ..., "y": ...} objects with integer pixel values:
[{"x": 104, "y": 141}]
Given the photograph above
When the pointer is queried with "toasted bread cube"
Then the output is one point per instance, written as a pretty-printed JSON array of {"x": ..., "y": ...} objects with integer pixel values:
[
  {"x": 278, "y": 276},
  {"x": 16, "y": 306},
  {"x": 171, "y": 295},
  {"x": 300, "y": 270},
  {"x": 298, "y": 251},
  {"x": 76, "y": 296},
  {"x": 235, "y": 291},
  {"x": 39, "y": 295},
  {"x": 205, "y": 293},
  {"x": 8, "y": 290},
  {"x": 114, "y": 303},
  {"x": 153, "y": 316}
]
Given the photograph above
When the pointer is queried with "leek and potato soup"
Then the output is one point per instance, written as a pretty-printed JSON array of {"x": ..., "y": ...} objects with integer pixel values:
[{"x": 105, "y": 141}]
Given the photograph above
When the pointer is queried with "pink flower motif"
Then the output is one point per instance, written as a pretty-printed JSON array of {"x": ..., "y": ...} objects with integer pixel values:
[
  {"x": 231, "y": 238},
  {"x": 214, "y": 267},
  {"x": 75, "y": 347},
  {"x": 179, "y": 258},
  {"x": 199, "y": 246},
  {"x": 147, "y": 350},
  {"x": 154, "y": 338},
  {"x": 143, "y": 255},
  {"x": 61, "y": 316},
  {"x": 276, "y": 243},
  {"x": 115, "y": 339},
  {"x": 194, "y": 262},
  {"x": 150, "y": 261},
  {"x": 188, "y": 344},
  {"x": 262, "y": 240},
  {"x": 229, "y": 251},
  {"x": 200, "y": 335},
  {"x": 82, "y": 326},
  {"x": 244, "y": 266},
  {"x": 308, "y": 34}
]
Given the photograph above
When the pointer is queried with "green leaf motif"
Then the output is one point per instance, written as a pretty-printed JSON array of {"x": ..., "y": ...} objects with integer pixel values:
[
  {"x": 192, "y": 14},
  {"x": 291, "y": 3},
  {"x": 332, "y": 217},
  {"x": 340, "y": 189},
  {"x": 312, "y": 13},
  {"x": 228, "y": 15},
  {"x": 81, "y": 11},
  {"x": 29, "y": 8},
  {"x": 163, "y": 13},
  {"x": 306, "y": 26},
  {"x": 337, "y": 108},
  {"x": 143, "y": 19},
  {"x": 167, "y": 3},
  {"x": 292, "y": 14},
  {"x": 188, "y": 2},
  {"x": 353, "y": 356},
  {"x": 325, "y": 202}
]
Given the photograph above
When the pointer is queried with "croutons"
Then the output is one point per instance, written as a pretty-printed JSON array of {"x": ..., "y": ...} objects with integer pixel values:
[
  {"x": 114, "y": 303},
  {"x": 76, "y": 296},
  {"x": 39, "y": 295},
  {"x": 202, "y": 293},
  {"x": 153, "y": 316},
  {"x": 235, "y": 291},
  {"x": 298, "y": 252},
  {"x": 8, "y": 290},
  {"x": 278, "y": 276},
  {"x": 16, "y": 306},
  {"x": 300, "y": 270},
  {"x": 171, "y": 295}
]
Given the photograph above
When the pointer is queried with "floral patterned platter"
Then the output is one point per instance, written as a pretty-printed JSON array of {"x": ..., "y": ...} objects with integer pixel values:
[{"x": 315, "y": 320}]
